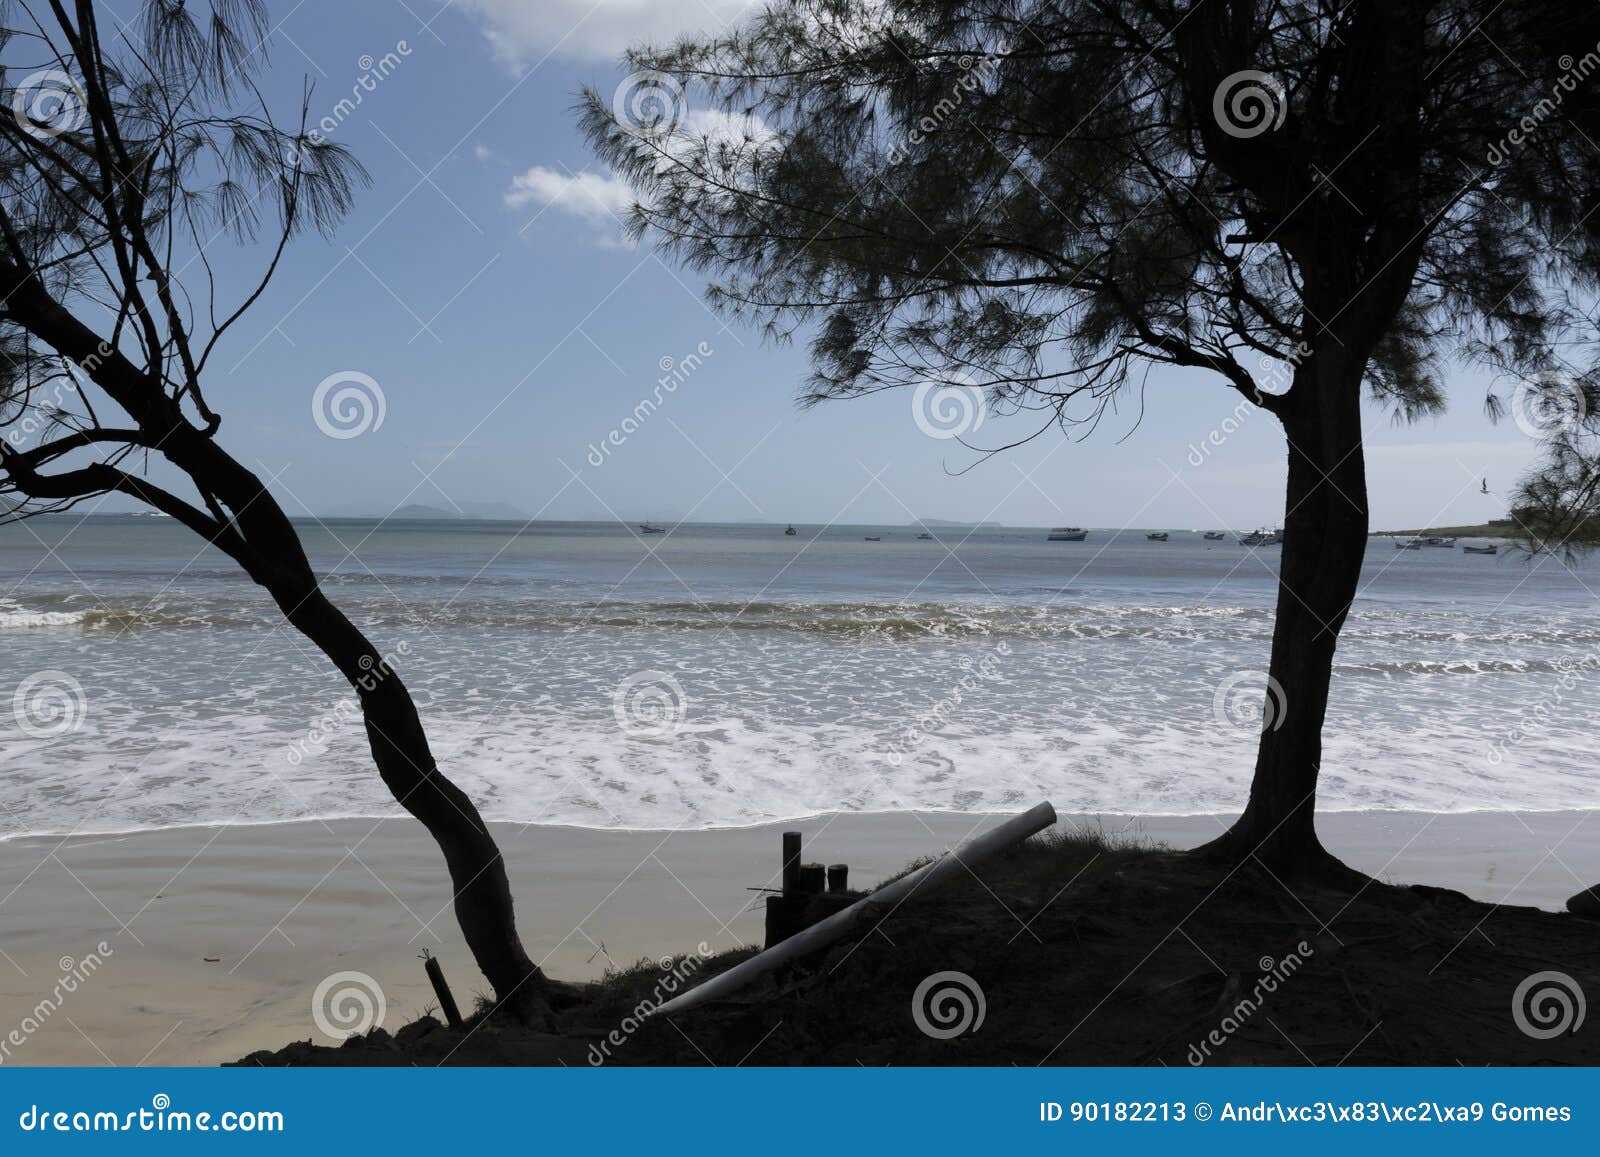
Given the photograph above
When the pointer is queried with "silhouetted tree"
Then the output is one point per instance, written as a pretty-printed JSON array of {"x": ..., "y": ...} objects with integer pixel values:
[
  {"x": 124, "y": 154},
  {"x": 1309, "y": 198}
]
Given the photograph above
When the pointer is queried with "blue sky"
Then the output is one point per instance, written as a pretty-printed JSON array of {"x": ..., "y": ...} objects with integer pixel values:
[{"x": 483, "y": 285}]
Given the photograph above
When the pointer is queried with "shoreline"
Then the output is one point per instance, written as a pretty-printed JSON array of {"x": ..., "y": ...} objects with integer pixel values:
[
  {"x": 78, "y": 837},
  {"x": 281, "y": 907}
]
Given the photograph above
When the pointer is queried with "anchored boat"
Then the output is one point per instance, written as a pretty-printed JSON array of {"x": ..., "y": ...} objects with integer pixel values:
[{"x": 1067, "y": 534}]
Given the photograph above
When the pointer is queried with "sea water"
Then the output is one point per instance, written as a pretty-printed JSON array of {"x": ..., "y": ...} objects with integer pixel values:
[{"x": 721, "y": 674}]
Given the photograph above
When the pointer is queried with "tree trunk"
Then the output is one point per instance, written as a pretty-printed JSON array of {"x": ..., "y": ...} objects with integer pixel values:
[
  {"x": 277, "y": 561},
  {"x": 483, "y": 902},
  {"x": 258, "y": 535},
  {"x": 1325, "y": 539}
]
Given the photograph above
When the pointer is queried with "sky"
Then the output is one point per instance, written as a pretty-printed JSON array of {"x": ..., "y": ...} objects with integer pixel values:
[{"x": 483, "y": 289}]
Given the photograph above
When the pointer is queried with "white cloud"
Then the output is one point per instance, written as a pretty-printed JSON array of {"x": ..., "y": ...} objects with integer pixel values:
[
  {"x": 598, "y": 199},
  {"x": 522, "y": 33}
]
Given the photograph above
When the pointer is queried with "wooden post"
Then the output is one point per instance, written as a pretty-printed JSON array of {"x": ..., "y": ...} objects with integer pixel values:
[
  {"x": 838, "y": 877},
  {"x": 885, "y": 899},
  {"x": 813, "y": 877},
  {"x": 791, "y": 863},
  {"x": 447, "y": 1002}
]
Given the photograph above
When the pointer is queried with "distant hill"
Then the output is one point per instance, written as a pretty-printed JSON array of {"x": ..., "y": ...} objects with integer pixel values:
[
  {"x": 416, "y": 511},
  {"x": 948, "y": 522}
]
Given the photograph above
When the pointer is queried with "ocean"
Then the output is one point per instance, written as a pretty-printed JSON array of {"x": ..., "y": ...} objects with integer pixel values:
[{"x": 719, "y": 675}]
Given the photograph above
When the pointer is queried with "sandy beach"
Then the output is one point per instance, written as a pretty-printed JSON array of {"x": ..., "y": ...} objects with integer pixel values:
[{"x": 216, "y": 938}]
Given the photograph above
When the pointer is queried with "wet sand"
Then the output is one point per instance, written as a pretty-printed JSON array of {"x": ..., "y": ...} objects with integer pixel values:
[{"x": 216, "y": 938}]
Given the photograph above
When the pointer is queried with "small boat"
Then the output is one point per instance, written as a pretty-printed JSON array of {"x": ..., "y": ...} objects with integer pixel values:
[
  {"x": 925, "y": 537},
  {"x": 1492, "y": 548},
  {"x": 1067, "y": 534},
  {"x": 1214, "y": 536},
  {"x": 1157, "y": 536},
  {"x": 1408, "y": 544},
  {"x": 873, "y": 538},
  {"x": 1435, "y": 540},
  {"x": 646, "y": 528},
  {"x": 1262, "y": 537},
  {"x": 791, "y": 531}
]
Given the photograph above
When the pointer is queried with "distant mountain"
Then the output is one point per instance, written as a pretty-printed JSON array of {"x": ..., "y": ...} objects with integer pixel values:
[
  {"x": 416, "y": 511},
  {"x": 948, "y": 522}
]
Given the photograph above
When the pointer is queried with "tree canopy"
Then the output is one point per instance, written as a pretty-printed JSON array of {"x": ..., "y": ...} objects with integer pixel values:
[
  {"x": 1045, "y": 194},
  {"x": 122, "y": 157}
]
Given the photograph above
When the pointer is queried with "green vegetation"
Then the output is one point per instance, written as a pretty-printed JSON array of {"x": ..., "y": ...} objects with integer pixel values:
[{"x": 1479, "y": 530}]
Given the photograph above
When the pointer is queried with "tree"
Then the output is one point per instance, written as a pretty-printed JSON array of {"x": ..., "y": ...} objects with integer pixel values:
[
  {"x": 123, "y": 156},
  {"x": 1041, "y": 198}
]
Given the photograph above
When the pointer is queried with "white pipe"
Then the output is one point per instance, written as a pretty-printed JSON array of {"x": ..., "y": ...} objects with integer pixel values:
[{"x": 825, "y": 932}]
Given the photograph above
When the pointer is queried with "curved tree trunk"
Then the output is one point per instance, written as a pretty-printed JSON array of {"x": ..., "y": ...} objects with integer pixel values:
[
  {"x": 254, "y": 531},
  {"x": 277, "y": 561},
  {"x": 483, "y": 902},
  {"x": 1325, "y": 539}
]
